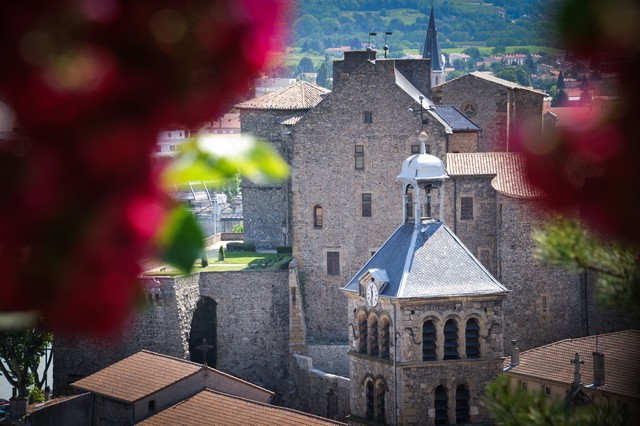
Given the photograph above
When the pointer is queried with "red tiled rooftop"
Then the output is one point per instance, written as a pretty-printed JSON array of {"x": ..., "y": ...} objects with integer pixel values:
[
  {"x": 213, "y": 408},
  {"x": 298, "y": 96},
  {"x": 553, "y": 362},
  {"x": 137, "y": 376}
]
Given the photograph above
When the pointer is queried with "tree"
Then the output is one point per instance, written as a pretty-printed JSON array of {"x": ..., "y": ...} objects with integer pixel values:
[
  {"x": 498, "y": 50},
  {"x": 508, "y": 73},
  {"x": 560, "y": 99},
  {"x": 20, "y": 354},
  {"x": 305, "y": 65},
  {"x": 322, "y": 79}
]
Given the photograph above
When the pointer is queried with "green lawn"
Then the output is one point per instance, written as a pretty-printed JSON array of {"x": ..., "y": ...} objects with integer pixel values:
[{"x": 234, "y": 261}]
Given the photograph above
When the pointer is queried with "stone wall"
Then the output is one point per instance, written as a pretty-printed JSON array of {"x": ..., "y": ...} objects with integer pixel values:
[
  {"x": 111, "y": 412},
  {"x": 463, "y": 142},
  {"x": 320, "y": 393},
  {"x": 324, "y": 174},
  {"x": 329, "y": 358},
  {"x": 76, "y": 411},
  {"x": 266, "y": 209},
  {"x": 252, "y": 331},
  {"x": 545, "y": 302}
]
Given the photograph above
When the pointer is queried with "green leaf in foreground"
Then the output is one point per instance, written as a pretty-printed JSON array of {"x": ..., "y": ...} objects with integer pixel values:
[
  {"x": 181, "y": 239},
  {"x": 208, "y": 158}
]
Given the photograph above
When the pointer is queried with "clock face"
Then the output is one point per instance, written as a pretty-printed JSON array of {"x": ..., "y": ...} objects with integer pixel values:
[{"x": 372, "y": 294}]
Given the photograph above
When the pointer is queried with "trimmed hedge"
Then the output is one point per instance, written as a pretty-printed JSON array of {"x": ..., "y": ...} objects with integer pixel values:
[
  {"x": 240, "y": 247},
  {"x": 284, "y": 249}
]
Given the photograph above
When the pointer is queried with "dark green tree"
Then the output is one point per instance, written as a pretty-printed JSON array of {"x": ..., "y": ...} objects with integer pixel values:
[
  {"x": 305, "y": 65},
  {"x": 322, "y": 79},
  {"x": 20, "y": 353},
  {"x": 498, "y": 50}
]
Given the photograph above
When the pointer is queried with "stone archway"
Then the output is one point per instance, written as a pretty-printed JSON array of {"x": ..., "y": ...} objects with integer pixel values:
[{"x": 204, "y": 325}]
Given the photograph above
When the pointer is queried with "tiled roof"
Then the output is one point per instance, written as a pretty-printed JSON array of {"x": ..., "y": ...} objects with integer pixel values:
[
  {"x": 213, "y": 408},
  {"x": 149, "y": 371},
  {"x": 298, "y": 96},
  {"x": 428, "y": 261},
  {"x": 292, "y": 120},
  {"x": 506, "y": 83},
  {"x": 621, "y": 361},
  {"x": 455, "y": 119},
  {"x": 508, "y": 169}
]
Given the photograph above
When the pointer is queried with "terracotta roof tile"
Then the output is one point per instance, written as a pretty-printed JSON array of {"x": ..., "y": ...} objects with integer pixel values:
[
  {"x": 553, "y": 362},
  {"x": 508, "y": 169},
  {"x": 298, "y": 96},
  {"x": 149, "y": 371},
  {"x": 210, "y": 407}
]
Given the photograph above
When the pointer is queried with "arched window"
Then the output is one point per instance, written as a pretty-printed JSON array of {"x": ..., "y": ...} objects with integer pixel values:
[
  {"x": 384, "y": 338},
  {"x": 428, "y": 341},
  {"x": 451, "y": 340},
  {"x": 441, "y": 405},
  {"x": 408, "y": 203},
  {"x": 472, "y": 338},
  {"x": 318, "y": 217},
  {"x": 462, "y": 404},
  {"x": 380, "y": 414},
  {"x": 369, "y": 399},
  {"x": 373, "y": 336},
  {"x": 362, "y": 333}
]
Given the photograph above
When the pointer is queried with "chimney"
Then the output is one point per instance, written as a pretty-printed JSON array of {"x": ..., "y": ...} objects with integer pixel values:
[
  {"x": 515, "y": 353},
  {"x": 598, "y": 369}
]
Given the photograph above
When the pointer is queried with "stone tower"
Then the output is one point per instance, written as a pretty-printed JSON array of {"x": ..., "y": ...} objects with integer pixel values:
[
  {"x": 432, "y": 51},
  {"x": 424, "y": 318}
]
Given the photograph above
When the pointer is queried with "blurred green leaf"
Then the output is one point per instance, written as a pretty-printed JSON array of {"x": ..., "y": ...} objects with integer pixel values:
[
  {"x": 181, "y": 240},
  {"x": 208, "y": 158}
]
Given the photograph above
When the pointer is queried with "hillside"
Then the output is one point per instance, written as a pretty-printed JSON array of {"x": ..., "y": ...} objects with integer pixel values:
[{"x": 322, "y": 24}]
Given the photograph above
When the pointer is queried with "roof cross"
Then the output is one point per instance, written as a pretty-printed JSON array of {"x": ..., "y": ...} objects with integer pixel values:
[
  {"x": 576, "y": 375},
  {"x": 204, "y": 348}
]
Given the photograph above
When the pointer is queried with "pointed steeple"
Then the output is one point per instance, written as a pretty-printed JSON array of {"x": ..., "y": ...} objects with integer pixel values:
[{"x": 431, "y": 50}]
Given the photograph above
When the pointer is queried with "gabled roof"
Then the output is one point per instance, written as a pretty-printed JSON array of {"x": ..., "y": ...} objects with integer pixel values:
[
  {"x": 210, "y": 407},
  {"x": 429, "y": 261},
  {"x": 143, "y": 374},
  {"x": 487, "y": 76},
  {"x": 298, "y": 96},
  {"x": 553, "y": 362},
  {"x": 455, "y": 119}
]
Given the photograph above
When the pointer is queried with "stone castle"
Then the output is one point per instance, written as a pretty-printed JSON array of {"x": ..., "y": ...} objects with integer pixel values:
[{"x": 301, "y": 332}]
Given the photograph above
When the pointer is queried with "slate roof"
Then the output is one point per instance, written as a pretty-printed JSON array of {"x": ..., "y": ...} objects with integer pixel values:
[
  {"x": 621, "y": 361},
  {"x": 298, "y": 96},
  {"x": 429, "y": 261},
  {"x": 210, "y": 407},
  {"x": 149, "y": 371},
  {"x": 455, "y": 119}
]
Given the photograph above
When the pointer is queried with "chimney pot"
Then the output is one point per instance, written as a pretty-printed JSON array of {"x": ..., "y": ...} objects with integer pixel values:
[
  {"x": 515, "y": 353},
  {"x": 598, "y": 369}
]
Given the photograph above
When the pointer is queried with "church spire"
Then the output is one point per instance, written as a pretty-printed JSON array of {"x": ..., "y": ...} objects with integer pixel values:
[{"x": 431, "y": 50}]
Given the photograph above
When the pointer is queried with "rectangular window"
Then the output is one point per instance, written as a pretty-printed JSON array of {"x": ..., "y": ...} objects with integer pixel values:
[
  {"x": 333, "y": 263},
  {"x": 466, "y": 208},
  {"x": 427, "y": 149},
  {"x": 366, "y": 205},
  {"x": 368, "y": 117},
  {"x": 415, "y": 149},
  {"x": 359, "y": 157},
  {"x": 547, "y": 391}
]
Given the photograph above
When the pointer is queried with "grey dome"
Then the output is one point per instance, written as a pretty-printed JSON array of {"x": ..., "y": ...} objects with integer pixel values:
[{"x": 421, "y": 167}]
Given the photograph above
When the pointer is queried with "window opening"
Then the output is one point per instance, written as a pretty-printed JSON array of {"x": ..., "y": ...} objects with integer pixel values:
[
  {"x": 428, "y": 341},
  {"x": 380, "y": 414},
  {"x": 451, "y": 340},
  {"x": 333, "y": 263},
  {"x": 368, "y": 117},
  {"x": 366, "y": 205},
  {"x": 359, "y": 157},
  {"x": 384, "y": 339},
  {"x": 441, "y": 406},
  {"x": 472, "y": 338},
  {"x": 466, "y": 208},
  {"x": 373, "y": 336},
  {"x": 362, "y": 333},
  {"x": 369, "y": 397},
  {"x": 462, "y": 404},
  {"x": 318, "y": 217}
]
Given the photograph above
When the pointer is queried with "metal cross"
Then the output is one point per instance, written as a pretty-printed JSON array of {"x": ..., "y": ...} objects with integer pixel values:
[
  {"x": 204, "y": 347},
  {"x": 576, "y": 375}
]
